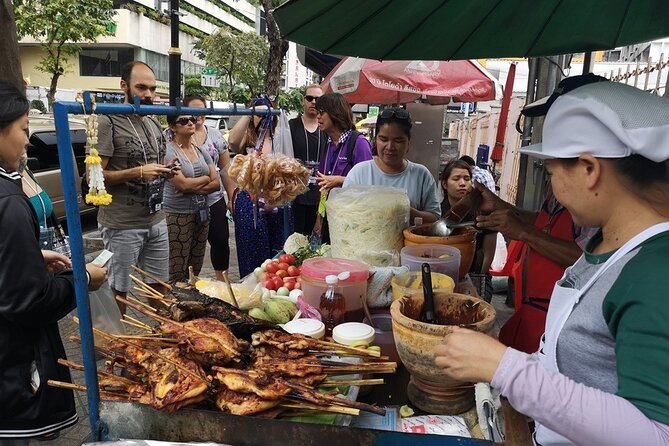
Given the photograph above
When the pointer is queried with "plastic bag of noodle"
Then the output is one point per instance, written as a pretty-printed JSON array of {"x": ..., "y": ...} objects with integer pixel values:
[{"x": 366, "y": 223}]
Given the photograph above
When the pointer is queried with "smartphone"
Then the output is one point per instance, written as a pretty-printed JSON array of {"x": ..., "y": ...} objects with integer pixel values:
[{"x": 102, "y": 259}]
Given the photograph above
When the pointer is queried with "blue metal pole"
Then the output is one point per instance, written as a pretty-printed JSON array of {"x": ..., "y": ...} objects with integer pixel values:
[
  {"x": 61, "y": 110},
  {"x": 66, "y": 157}
]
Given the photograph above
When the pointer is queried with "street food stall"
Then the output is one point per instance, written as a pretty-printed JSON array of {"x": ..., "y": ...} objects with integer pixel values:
[{"x": 202, "y": 370}]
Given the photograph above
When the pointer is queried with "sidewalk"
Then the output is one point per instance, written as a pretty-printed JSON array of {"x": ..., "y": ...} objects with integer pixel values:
[{"x": 80, "y": 433}]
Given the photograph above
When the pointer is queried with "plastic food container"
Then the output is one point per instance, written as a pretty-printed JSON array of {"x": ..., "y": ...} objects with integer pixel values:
[
  {"x": 308, "y": 327},
  {"x": 354, "y": 289},
  {"x": 383, "y": 335},
  {"x": 411, "y": 283},
  {"x": 441, "y": 258},
  {"x": 350, "y": 333}
]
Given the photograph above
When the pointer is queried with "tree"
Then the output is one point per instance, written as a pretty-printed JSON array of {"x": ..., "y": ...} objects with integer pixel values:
[
  {"x": 193, "y": 85},
  {"x": 10, "y": 68},
  {"x": 242, "y": 58},
  {"x": 291, "y": 100},
  {"x": 278, "y": 47},
  {"x": 60, "y": 25}
]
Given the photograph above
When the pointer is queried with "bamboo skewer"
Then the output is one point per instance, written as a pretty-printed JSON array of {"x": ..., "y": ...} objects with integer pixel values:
[
  {"x": 226, "y": 279},
  {"x": 138, "y": 322},
  {"x": 314, "y": 407},
  {"x": 351, "y": 382},
  {"x": 80, "y": 388},
  {"x": 151, "y": 276},
  {"x": 346, "y": 348},
  {"x": 132, "y": 324}
]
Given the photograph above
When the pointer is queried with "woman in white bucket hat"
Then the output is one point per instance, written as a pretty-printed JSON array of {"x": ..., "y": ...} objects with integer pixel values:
[{"x": 600, "y": 376}]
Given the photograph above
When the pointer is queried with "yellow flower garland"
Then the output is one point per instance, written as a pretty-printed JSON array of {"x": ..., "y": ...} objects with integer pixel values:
[{"x": 97, "y": 194}]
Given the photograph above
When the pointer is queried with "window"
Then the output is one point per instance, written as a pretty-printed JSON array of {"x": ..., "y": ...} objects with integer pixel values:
[{"x": 104, "y": 61}]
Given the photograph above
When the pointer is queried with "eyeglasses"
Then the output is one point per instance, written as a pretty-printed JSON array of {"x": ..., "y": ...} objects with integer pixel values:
[
  {"x": 310, "y": 98},
  {"x": 398, "y": 113},
  {"x": 321, "y": 112},
  {"x": 185, "y": 121}
]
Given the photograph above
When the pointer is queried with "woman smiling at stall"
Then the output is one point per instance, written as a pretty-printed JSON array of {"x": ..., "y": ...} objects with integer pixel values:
[{"x": 391, "y": 168}]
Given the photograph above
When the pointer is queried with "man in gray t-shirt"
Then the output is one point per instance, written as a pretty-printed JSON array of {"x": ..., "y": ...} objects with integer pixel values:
[{"x": 133, "y": 159}]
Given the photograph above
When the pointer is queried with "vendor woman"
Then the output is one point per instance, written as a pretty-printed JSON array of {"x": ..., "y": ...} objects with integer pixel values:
[
  {"x": 600, "y": 374},
  {"x": 391, "y": 168}
]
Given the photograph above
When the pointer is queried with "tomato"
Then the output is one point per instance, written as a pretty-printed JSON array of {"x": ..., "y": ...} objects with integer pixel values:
[
  {"x": 278, "y": 283},
  {"x": 273, "y": 268},
  {"x": 287, "y": 258},
  {"x": 283, "y": 265},
  {"x": 293, "y": 271},
  {"x": 298, "y": 286},
  {"x": 282, "y": 273},
  {"x": 269, "y": 284},
  {"x": 290, "y": 284}
]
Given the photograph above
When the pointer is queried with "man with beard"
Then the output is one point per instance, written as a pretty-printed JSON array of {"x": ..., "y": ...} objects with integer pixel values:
[
  {"x": 132, "y": 149},
  {"x": 309, "y": 143}
]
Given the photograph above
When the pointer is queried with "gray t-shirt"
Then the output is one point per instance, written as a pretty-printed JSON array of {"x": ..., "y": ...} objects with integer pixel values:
[
  {"x": 129, "y": 141},
  {"x": 180, "y": 202},
  {"x": 415, "y": 179}
]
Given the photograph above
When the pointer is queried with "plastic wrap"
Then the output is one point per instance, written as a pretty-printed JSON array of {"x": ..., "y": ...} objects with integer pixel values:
[{"x": 366, "y": 223}]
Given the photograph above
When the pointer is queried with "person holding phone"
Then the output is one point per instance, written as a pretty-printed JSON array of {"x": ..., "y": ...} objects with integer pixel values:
[{"x": 185, "y": 199}]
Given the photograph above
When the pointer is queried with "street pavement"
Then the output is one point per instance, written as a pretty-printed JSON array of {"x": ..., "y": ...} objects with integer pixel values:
[{"x": 80, "y": 433}]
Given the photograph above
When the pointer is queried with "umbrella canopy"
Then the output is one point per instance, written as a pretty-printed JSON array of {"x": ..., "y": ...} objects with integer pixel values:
[
  {"x": 469, "y": 29},
  {"x": 367, "y": 81}
]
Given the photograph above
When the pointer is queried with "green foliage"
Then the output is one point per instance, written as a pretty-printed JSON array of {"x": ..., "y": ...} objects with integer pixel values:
[
  {"x": 38, "y": 105},
  {"x": 291, "y": 100},
  {"x": 60, "y": 25},
  {"x": 192, "y": 85},
  {"x": 242, "y": 58}
]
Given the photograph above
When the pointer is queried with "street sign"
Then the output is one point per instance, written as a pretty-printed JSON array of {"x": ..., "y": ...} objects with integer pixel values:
[
  {"x": 211, "y": 71},
  {"x": 210, "y": 80}
]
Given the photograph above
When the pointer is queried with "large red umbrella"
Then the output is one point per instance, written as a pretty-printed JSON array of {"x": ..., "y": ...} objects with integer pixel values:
[{"x": 368, "y": 81}]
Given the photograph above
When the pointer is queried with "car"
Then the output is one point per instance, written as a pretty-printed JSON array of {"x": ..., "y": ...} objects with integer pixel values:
[{"x": 44, "y": 162}]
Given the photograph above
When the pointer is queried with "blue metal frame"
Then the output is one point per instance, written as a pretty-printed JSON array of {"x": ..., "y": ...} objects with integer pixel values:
[{"x": 61, "y": 111}]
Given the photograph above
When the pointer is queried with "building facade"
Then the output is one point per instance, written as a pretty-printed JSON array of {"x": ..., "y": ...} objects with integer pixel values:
[{"x": 141, "y": 32}]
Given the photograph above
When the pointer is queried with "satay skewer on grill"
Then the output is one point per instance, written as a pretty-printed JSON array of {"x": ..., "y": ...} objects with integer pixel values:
[{"x": 151, "y": 276}]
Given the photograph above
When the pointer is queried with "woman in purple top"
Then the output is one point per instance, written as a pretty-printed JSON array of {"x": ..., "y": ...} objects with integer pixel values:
[{"x": 335, "y": 118}]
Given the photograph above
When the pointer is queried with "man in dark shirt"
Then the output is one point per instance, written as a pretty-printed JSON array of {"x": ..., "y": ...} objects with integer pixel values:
[{"x": 309, "y": 144}]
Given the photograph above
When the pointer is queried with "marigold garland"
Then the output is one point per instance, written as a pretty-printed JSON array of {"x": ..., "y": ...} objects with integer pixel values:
[{"x": 97, "y": 194}]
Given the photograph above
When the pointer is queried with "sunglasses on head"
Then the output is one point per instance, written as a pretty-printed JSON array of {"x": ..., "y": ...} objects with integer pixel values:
[
  {"x": 310, "y": 98},
  {"x": 321, "y": 111},
  {"x": 398, "y": 113},
  {"x": 185, "y": 121}
]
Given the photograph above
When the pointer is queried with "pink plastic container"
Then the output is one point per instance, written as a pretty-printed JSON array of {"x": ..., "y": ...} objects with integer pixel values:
[{"x": 354, "y": 288}]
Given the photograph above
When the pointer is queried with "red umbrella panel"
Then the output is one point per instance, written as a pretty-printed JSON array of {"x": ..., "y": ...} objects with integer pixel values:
[{"x": 368, "y": 81}]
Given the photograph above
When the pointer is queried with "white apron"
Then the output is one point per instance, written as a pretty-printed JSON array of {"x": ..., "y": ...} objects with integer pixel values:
[{"x": 562, "y": 303}]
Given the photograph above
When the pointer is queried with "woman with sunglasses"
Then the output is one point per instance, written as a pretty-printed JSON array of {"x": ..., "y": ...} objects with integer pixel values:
[
  {"x": 345, "y": 148},
  {"x": 391, "y": 168},
  {"x": 259, "y": 232},
  {"x": 185, "y": 198},
  {"x": 211, "y": 140},
  {"x": 599, "y": 376}
]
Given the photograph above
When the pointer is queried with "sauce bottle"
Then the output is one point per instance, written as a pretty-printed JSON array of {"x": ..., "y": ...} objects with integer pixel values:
[{"x": 332, "y": 305}]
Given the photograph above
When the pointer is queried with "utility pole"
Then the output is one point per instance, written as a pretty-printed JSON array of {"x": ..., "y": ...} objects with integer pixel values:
[{"x": 174, "y": 54}]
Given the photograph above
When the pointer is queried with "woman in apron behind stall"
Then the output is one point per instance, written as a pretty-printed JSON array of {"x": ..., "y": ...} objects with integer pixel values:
[{"x": 600, "y": 375}]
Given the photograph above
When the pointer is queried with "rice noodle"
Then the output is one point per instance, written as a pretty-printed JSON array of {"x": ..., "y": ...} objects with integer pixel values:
[{"x": 366, "y": 223}]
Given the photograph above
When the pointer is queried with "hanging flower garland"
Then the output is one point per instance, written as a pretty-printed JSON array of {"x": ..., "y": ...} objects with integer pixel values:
[{"x": 97, "y": 194}]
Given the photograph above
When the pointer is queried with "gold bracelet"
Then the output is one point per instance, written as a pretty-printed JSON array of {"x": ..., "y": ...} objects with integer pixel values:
[{"x": 141, "y": 172}]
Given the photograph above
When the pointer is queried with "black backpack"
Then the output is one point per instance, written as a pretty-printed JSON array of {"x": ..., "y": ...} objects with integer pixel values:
[{"x": 351, "y": 146}]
